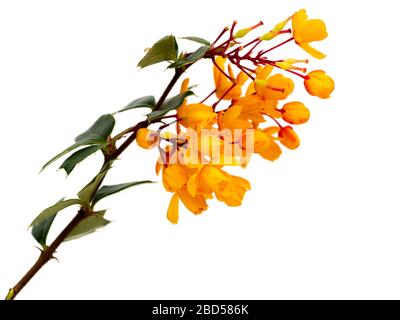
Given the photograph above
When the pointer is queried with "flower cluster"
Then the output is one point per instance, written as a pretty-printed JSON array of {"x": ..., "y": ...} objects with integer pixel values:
[{"x": 257, "y": 117}]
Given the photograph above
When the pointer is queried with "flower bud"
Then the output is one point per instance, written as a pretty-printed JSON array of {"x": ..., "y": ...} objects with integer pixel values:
[
  {"x": 318, "y": 83},
  {"x": 146, "y": 138},
  {"x": 243, "y": 32},
  {"x": 295, "y": 113},
  {"x": 275, "y": 31},
  {"x": 289, "y": 138}
]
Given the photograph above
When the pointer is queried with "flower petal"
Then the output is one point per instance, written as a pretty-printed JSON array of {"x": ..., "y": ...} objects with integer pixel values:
[
  {"x": 173, "y": 209},
  {"x": 195, "y": 204},
  {"x": 312, "y": 51},
  {"x": 313, "y": 30},
  {"x": 272, "y": 153},
  {"x": 299, "y": 18}
]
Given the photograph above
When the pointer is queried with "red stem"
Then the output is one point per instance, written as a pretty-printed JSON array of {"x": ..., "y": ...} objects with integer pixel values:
[
  {"x": 277, "y": 46},
  {"x": 220, "y": 35},
  {"x": 206, "y": 98},
  {"x": 223, "y": 96}
]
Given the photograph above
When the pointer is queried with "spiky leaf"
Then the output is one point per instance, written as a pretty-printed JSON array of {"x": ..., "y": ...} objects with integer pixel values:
[
  {"x": 53, "y": 210},
  {"x": 88, "y": 225},
  {"x": 143, "y": 102},
  {"x": 191, "y": 58},
  {"x": 80, "y": 155},
  {"x": 88, "y": 192},
  {"x": 165, "y": 49},
  {"x": 197, "y": 39},
  {"x": 106, "y": 191}
]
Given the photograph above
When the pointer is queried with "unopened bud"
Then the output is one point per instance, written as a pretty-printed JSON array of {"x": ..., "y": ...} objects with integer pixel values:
[
  {"x": 275, "y": 31},
  {"x": 243, "y": 32}
]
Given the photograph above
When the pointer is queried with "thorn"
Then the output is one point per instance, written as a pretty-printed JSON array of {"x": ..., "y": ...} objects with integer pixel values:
[{"x": 40, "y": 249}]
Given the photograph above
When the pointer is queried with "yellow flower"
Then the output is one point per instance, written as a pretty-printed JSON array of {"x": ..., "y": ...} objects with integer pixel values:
[
  {"x": 289, "y": 138},
  {"x": 306, "y": 31},
  {"x": 196, "y": 116},
  {"x": 223, "y": 84},
  {"x": 146, "y": 138},
  {"x": 318, "y": 83},
  {"x": 295, "y": 113}
]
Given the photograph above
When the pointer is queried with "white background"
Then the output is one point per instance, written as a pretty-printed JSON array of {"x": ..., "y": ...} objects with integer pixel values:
[{"x": 321, "y": 222}]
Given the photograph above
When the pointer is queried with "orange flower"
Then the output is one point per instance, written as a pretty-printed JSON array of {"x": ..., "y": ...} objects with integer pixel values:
[
  {"x": 306, "y": 31},
  {"x": 227, "y": 188},
  {"x": 196, "y": 116},
  {"x": 175, "y": 176},
  {"x": 194, "y": 186},
  {"x": 232, "y": 118},
  {"x": 195, "y": 204},
  {"x": 295, "y": 113},
  {"x": 255, "y": 106},
  {"x": 223, "y": 84},
  {"x": 263, "y": 94},
  {"x": 176, "y": 179},
  {"x": 276, "y": 87},
  {"x": 146, "y": 138},
  {"x": 259, "y": 140},
  {"x": 319, "y": 84},
  {"x": 289, "y": 138},
  {"x": 273, "y": 151}
]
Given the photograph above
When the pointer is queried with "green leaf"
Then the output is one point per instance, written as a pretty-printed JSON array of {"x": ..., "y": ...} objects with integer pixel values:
[
  {"x": 197, "y": 39},
  {"x": 80, "y": 155},
  {"x": 41, "y": 230},
  {"x": 106, "y": 191},
  {"x": 97, "y": 134},
  {"x": 76, "y": 145},
  {"x": 87, "y": 193},
  {"x": 143, "y": 102},
  {"x": 53, "y": 210},
  {"x": 100, "y": 130},
  {"x": 165, "y": 49},
  {"x": 169, "y": 105},
  {"x": 88, "y": 225},
  {"x": 191, "y": 58}
]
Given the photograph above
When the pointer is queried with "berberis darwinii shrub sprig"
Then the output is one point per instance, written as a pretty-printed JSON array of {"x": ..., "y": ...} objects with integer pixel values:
[{"x": 247, "y": 113}]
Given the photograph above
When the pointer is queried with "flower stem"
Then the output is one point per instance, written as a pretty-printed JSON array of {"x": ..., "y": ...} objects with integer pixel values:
[
  {"x": 46, "y": 255},
  {"x": 278, "y": 45}
]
